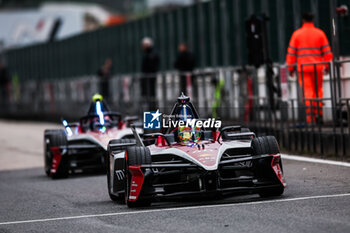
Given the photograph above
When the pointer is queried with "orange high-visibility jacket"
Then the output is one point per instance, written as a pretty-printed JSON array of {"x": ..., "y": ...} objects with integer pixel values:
[{"x": 308, "y": 45}]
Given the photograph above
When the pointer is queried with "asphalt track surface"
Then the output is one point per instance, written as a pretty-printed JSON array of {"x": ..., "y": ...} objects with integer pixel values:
[{"x": 317, "y": 199}]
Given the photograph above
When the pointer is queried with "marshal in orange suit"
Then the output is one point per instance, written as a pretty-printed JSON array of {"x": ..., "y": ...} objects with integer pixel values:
[{"x": 309, "y": 45}]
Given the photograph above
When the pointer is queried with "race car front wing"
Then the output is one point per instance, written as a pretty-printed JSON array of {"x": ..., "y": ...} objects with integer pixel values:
[{"x": 176, "y": 178}]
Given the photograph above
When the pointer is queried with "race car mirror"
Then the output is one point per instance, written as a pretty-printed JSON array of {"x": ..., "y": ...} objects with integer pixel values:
[
  {"x": 169, "y": 138},
  {"x": 235, "y": 134},
  {"x": 137, "y": 136},
  {"x": 130, "y": 119},
  {"x": 207, "y": 135}
]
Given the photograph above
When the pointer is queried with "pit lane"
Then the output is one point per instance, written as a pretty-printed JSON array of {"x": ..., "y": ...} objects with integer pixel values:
[{"x": 317, "y": 199}]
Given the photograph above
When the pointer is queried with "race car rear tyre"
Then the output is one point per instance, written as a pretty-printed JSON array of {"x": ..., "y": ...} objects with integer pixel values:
[
  {"x": 54, "y": 138},
  {"x": 136, "y": 155},
  {"x": 121, "y": 196},
  {"x": 267, "y": 145}
]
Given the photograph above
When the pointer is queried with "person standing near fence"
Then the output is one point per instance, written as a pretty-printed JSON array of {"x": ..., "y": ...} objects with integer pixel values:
[
  {"x": 309, "y": 45},
  {"x": 185, "y": 63},
  {"x": 4, "y": 82},
  {"x": 149, "y": 68},
  {"x": 104, "y": 74}
]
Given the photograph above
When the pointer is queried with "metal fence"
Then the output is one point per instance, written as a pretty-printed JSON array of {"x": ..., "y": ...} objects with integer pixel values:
[
  {"x": 237, "y": 95},
  {"x": 214, "y": 31}
]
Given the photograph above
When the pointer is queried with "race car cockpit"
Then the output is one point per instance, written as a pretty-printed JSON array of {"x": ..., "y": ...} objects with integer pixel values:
[
  {"x": 99, "y": 117},
  {"x": 187, "y": 134},
  {"x": 182, "y": 126}
]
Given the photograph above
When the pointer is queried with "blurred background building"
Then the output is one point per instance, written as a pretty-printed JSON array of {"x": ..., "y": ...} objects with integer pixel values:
[
  {"x": 25, "y": 22},
  {"x": 214, "y": 31}
]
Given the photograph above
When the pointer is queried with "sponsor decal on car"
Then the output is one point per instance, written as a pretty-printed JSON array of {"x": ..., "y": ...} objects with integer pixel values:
[{"x": 152, "y": 120}]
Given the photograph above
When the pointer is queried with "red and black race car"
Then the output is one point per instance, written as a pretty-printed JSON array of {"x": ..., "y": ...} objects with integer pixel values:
[
  {"x": 82, "y": 146},
  {"x": 186, "y": 161}
]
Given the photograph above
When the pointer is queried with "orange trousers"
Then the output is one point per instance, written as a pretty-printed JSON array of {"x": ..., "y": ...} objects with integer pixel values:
[{"x": 311, "y": 92}]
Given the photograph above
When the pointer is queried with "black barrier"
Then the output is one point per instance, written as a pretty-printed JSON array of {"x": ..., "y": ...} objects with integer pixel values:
[{"x": 235, "y": 95}]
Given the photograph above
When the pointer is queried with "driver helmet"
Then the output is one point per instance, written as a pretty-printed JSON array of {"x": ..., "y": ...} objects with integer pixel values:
[
  {"x": 97, "y": 110},
  {"x": 97, "y": 97},
  {"x": 189, "y": 134}
]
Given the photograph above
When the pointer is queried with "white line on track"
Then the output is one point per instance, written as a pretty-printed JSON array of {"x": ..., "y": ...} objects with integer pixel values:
[
  {"x": 176, "y": 209},
  {"x": 313, "y": 160}
]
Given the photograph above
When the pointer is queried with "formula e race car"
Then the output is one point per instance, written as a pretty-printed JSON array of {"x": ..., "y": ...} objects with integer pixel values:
[
  {"x": 82, "y": 146},
  {"x": 187, "y": 160}
]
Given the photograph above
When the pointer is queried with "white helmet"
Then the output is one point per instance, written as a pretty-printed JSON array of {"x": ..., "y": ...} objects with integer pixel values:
[{"x": 147, "y": 41}]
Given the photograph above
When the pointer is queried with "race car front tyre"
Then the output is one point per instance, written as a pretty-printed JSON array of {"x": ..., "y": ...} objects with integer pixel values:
[
  {"x": 275, "y": 192},
  {"x": 267, "y": 145},
  {"x": 54, "y": 138},
  {"x": 136, "y": 155},
  {"x": 121, "y": 196}
]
